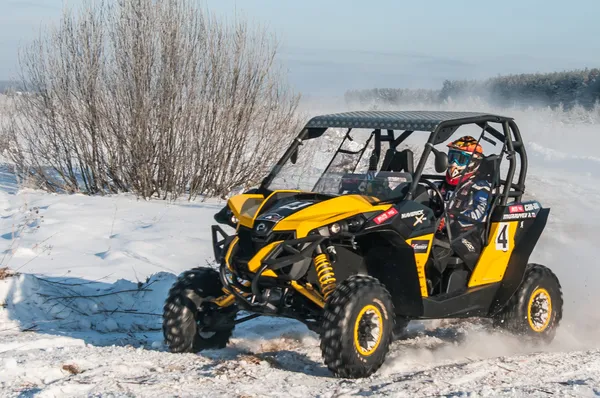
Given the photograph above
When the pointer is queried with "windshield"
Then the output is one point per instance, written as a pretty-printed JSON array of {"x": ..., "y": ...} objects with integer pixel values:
[{"x": 341, "y": 163}]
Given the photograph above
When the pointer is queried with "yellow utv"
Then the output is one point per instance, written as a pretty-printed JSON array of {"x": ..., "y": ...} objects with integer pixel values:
[{"x": 350, "y": 234}]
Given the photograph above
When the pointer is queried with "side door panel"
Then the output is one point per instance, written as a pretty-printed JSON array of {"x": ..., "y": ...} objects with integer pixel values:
[
  {"x": 494, "y": 258},
  {"x": 509, "y": 227}
]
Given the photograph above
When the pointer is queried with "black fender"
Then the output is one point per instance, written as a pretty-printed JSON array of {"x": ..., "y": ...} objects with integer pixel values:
[
  {"x": 391, "y": 260},
  {"x": 515, "y": 270},
  {"x": 220, "y": 242},
  {"x": 225, "y": 216}
]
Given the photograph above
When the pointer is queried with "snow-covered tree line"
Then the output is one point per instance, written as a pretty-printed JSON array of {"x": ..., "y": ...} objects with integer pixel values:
[{"x": 568, "y": 89}]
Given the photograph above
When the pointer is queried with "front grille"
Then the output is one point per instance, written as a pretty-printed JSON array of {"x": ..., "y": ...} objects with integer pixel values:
[
  {"x": 249, "y": 243},
  {"x": 283, "y": 235}
]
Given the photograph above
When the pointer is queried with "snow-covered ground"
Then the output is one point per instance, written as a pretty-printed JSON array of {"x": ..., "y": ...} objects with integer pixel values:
[{"x": 83, "y": 316}]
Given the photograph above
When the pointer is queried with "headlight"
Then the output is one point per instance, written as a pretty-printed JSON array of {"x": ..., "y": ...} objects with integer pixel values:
[
  {"x": 349, "y": 225},
  {"x": 335, "y": 228}
]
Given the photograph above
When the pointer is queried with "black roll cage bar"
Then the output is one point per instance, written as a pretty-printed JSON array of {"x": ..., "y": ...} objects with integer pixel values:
[{"x": 443, "y": 131}]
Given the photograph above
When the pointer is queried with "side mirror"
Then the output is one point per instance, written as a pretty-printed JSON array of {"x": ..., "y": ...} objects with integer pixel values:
[{"x": 441, "y": 162}]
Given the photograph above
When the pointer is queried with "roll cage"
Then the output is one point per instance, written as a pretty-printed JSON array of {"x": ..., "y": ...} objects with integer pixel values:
[{"x": 395, "y": 127}]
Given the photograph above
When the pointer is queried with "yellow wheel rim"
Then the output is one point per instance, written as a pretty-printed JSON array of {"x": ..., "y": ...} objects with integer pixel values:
[
  {"x": 368, "y": 330},
  {"x": 539, "y": 310}
]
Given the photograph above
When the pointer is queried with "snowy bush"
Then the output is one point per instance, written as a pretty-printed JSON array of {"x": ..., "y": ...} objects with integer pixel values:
[{"x": 158, "y": 98}]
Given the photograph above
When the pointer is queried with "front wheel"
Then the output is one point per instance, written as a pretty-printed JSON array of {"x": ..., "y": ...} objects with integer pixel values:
[
  {"x": 189, "y": 324},
  {"x": 535, "y": 310},
  {"x": 357, "y": 327}
]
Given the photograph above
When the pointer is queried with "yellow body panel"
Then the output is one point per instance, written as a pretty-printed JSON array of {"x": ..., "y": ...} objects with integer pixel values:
[
  {"x": 245, "y": 207},
  {"x": 225, "y": 301},
  {"x": 327, "y": 212},
  {"x": 229, "y": 249},
  {"x": 421, "y": 260},
  {"x": 494, "y": 258},
  {"x": 228, "y": 298},
  {"x": 309, "y": 293},
  {"x": 255, "y": 263}
]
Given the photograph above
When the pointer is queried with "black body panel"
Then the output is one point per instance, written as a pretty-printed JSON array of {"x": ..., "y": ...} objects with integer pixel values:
[
  {"x": 517, "y": 211},
  {"x": 279, "y": 202},
  {"x": 347, "y": 262},
  {"x": 413, "y": 219},
  {"x": 470, "y": 303},
  {"x": 391, "y": 260}
]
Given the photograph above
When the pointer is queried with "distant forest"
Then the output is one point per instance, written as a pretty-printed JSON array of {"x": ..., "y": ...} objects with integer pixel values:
[
  {"x": 6, "y": 85},
  {"x": 570, "y": 88}
]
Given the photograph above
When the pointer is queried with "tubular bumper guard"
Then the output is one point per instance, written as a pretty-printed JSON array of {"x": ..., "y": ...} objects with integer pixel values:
[{"x": 284, "y": 254}]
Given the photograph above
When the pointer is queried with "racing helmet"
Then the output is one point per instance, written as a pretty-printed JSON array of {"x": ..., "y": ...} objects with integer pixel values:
[{"x": 464, "y": 153}]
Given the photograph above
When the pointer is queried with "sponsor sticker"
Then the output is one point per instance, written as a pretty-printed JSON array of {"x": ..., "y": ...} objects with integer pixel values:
[
  {"x": 468, "y": 245},
  {"x": 420, "y": 246},
  {"x": 518, "y": 216},
  {"x": 386, "y": 215},
  {"x": 531, "y": 206},
  {"x": 412, "y": 214},
  {"x": 516, "y": 209},
  {"x": 419, "y": 216}
]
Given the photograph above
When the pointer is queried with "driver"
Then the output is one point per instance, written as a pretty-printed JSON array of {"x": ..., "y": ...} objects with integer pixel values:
[{"x": 466, "y": 197}]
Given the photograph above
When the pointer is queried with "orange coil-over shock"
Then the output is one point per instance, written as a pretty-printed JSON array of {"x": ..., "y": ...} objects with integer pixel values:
[{"x": 325, "y": 274}]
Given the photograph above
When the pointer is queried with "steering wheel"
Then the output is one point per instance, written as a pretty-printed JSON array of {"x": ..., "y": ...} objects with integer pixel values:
[{"x": 438, "y": 206}]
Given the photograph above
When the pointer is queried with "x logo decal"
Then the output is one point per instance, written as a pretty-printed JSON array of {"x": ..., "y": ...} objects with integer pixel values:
[{"x": 419, "y": 219}]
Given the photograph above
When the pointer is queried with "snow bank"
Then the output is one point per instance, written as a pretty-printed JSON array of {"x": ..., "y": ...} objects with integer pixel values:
[
  {"x": 103, "y": 238},
  {"x": 100, "y": 264},
  {"x": 46, "y": 304}
]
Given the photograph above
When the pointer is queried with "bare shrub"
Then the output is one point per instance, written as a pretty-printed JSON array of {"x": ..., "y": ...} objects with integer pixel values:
[
  {"x": 72, "y": 369},
  {"x": 158, "y": 98},
  {"x": 6, "y": 273}
]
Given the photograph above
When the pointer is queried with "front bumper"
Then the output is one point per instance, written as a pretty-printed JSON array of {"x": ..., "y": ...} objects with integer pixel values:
[{"x": 296, "y": 254}]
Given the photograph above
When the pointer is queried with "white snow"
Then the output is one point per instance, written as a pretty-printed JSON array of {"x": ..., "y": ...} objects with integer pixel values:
[{"x": 83, "y": 315}]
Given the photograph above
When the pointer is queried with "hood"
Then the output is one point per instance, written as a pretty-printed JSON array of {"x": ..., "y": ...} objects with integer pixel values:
[{"x": 303, "y": 214}]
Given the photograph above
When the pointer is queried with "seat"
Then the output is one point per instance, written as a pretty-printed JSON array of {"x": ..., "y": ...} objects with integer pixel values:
[
  {"x": 490, "y": 166},
  {"x": 398, "y": 161}
]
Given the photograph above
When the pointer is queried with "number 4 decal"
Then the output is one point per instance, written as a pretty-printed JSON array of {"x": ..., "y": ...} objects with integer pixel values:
[{"x": 502, "y": 236}]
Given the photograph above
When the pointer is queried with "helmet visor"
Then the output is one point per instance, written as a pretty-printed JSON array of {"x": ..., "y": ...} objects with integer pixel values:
[{"x": 459, "y": 158}]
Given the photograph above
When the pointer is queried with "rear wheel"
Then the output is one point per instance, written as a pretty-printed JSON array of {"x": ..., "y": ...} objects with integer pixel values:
[
  {"x": 357, "y": 327},
  {"x": 535, "y": 310},
  {"x": 190, "y": 324}
]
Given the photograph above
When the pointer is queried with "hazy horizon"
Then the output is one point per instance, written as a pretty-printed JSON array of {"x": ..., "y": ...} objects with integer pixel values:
[{"x": 328, "y": 48}]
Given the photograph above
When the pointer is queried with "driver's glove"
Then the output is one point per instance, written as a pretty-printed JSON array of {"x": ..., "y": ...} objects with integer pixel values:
[{"x": 442, "y": 225}]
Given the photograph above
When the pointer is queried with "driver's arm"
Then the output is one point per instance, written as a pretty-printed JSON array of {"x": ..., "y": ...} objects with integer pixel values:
[{"x": 481, "y": 193}]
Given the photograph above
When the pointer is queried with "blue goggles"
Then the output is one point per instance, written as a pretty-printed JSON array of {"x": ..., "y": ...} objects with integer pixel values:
[{"x": 459, "y": 157}]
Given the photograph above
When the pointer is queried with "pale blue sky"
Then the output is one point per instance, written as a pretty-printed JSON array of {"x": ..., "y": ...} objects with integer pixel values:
[{"x": 329, "y": 46}]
